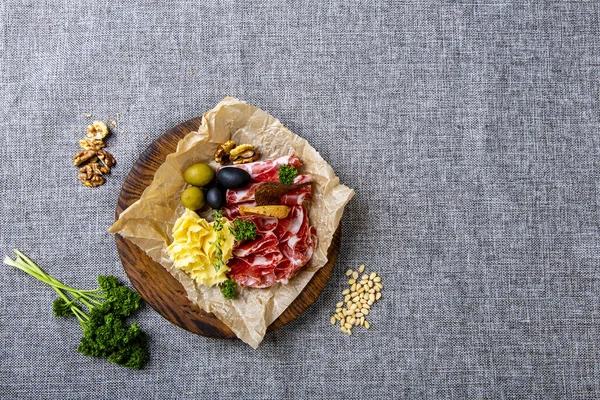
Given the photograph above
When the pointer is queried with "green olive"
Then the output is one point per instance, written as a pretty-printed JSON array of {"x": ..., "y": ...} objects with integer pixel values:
[
  {"x": 192, "y": 198},
  {"x": 199, "y": 175}
]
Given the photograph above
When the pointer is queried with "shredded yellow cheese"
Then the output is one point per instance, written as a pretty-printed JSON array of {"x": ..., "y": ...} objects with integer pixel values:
[{"x": 194, "y": 245}]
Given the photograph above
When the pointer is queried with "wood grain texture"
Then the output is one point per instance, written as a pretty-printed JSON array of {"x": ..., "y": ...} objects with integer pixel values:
[{"x": 157, "y": 286}]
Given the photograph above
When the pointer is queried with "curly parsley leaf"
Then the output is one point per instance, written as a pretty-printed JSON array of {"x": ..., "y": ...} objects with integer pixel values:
[
  {"x": 287, "y": 173},
  {"x": 243, "y": 230},
  {"x": 228, "y": 289}
]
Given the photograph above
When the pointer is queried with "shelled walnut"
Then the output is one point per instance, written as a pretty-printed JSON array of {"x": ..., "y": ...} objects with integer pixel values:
[
  {"x": 238, "y": 154},
  {"x": 91, "y": 144},
  {"x": 90, "y": 177},
  {"x": 244, "y": 153},
  {"x": 93, "y": 162},
  {"x": 222, "y": 152},
  {"x": 97, "y": 130},
  {"x": 83, "y": 157}
]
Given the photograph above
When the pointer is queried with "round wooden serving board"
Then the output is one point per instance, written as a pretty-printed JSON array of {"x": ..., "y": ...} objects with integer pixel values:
[{"x": 157, "y": 286}]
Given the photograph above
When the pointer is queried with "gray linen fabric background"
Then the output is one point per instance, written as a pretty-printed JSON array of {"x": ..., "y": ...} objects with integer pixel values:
[{"x": 469, "y": 131}]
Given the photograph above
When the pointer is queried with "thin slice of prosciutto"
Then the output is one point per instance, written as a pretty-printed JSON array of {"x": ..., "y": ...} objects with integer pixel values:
[
  {"x": 268, "y": 171},
  {"x": 294, "y": 197},
  {"x": 281, "y": 248}
]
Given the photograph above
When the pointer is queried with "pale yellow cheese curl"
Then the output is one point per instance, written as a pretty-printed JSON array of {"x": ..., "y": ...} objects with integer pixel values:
[{"x": 194, "y": 245}]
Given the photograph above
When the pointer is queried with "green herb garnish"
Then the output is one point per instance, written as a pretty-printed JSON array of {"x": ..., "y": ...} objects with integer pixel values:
[
  {"x": 218, "y": 224},
  {"x": 105, "y": 333},
  {"x": 228, "y": 289},
  {"x": 218, "y": 227},
  {"x": 287, "y": 173},
  {"x": 243, "y": 230}
]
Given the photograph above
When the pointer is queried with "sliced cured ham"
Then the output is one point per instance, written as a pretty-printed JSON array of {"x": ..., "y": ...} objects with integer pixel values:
[
  {"x": 294, "y": 197},
  {"x": 281, "y": 248},
  {"x": 268, "y": 171}
]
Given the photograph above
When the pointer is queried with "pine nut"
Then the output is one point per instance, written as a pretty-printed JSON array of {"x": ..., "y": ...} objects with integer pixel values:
[{"x": 359, "y": 296}]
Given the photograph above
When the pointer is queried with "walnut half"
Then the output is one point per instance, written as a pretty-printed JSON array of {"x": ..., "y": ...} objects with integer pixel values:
[
  {"x": 222, "y": 152},
  {"x": 90, "y": 175},
  {"x": 244, "y": 153},
  {"x": 97, "y": 130},
  {"x": 83, "y": 156},
  {"x": 107, "y": 159},
  {"x": 91, "y": 144}
]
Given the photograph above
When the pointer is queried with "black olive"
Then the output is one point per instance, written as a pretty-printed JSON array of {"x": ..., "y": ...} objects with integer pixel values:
[
  {"x": 233, "y": 178},
  {"x": 214, "y": 198}
]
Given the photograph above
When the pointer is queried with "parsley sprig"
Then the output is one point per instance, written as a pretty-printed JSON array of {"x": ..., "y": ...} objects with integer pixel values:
[
  {"x": 243, "y": 230},
  {"x": 287, "y": 174},
  {"x": 228, "y": 289}
]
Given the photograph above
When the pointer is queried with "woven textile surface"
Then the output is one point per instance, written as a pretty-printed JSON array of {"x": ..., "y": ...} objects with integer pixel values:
[{"x": 469, "y": 130}]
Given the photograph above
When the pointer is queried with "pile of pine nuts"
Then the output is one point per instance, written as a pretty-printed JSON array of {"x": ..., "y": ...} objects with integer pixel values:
[{"x": 358, "y": 299}]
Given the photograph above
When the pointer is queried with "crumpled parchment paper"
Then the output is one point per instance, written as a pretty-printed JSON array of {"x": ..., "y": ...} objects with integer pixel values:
[{"x": 149, "y": 221}]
